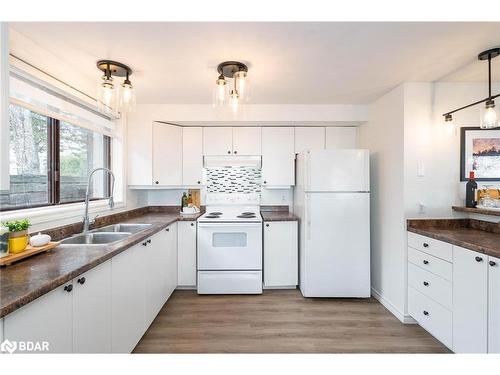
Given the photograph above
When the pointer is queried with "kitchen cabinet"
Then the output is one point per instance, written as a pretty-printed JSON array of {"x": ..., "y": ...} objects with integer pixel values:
[
  {"x": 48, "y": 318},
  {"x": 309, "y": 138},
  {"x": 155, "y": 252},
  {"x": 278, "y": 156},
  {"x": 186, "y": 253},
  {"x": 493, "y": 305},
  {"x": 281, "y": 254},
  {"x": 217, "y": 141},
  {"x": 128, "y": 298},
  {"x": 192, "y": 156},
  {"x": 470, "y": 301},
  {"x": 167, "y": 154},
  {"x": 139, "y": 153},
  {"x": 92, "y": 310},
  {"x": 341, "y": 137},
  {"x": 171, "y": 260},
  {"x": 247, "y": 141}
]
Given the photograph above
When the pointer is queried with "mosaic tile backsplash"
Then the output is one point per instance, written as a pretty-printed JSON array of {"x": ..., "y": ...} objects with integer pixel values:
[{"x": 241, "y": 180}]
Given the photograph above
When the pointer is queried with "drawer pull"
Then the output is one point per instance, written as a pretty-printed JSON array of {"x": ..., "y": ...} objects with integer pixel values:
[
  {"x": 492, "y": 264},
  {"x": 426, "y": 262},
  {"x": 81, "y": 280},
  {"x": 68, "y": 288},
  {"x": 426, "y": 313},
  {"x": 479, "y": 259},
  {"x": 426, "y": 283},
  {"x": 426, "y": 244}
]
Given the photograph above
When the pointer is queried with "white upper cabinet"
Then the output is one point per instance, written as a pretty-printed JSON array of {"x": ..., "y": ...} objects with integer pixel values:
[
  {"x": 247, "y": 141},
  {"x": 470, "y": 301},
  {"x": 167, "y": 154},
  {"x": 278, "y": 156},
  {"x": 192, "y": 156},
  {"x": 493, "y": 305},
  {"x": 217, "y": 141},
  {"x": 309, "y": 138},
  {"x": 341, "y": 137}
]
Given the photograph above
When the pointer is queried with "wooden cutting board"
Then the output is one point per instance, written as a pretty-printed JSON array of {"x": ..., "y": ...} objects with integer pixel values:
[{"x": 30, "y": 251}]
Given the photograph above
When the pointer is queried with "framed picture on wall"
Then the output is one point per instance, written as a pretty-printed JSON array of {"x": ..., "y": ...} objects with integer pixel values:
[{"x": 480, "y": 152}]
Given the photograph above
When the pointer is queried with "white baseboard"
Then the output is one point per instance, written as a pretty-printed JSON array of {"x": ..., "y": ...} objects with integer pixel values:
[
  {"x": 186, "y": 287},
  {"x": 280, "y": 287},
  {"x": 405, "y": 319}
]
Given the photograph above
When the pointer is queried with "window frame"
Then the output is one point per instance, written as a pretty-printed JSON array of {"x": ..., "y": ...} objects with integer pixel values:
[{"x": 54, "y": 167}]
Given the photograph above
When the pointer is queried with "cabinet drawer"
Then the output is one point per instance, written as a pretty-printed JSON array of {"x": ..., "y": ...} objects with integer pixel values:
[
  {"x": 430, "y": 263},
  {"x": 433, "y": 317},
  {"x": 431, "y": 285},
  {"x": 431, "y": 246}
]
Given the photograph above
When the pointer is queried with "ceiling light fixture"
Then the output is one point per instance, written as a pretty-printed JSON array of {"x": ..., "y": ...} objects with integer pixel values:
[
  {"x": 110, "y": 97},
  {"x": 232, "y": 84},
  {"x": 489, "y": 118}
]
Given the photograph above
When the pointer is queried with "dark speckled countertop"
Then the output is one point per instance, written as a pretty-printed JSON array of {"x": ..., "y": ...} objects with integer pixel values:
[
  {"x": 29, "y": 279},
  {"x": 277, "y": 213},
  {"x": 476, "y": 235}
]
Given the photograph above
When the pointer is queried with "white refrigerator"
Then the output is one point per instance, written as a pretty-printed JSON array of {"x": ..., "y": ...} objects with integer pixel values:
[{"x": 332, "y": 200}]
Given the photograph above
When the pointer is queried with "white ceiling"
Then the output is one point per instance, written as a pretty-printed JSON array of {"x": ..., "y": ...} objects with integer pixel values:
[{"x": 289, "y": 63}]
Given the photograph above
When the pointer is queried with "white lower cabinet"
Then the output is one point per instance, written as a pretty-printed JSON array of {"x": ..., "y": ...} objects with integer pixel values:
[
  {"x": 470, "y": 301},
  {"x": 92, "y": 310},
  {"x": 171, "y": 260},
  {"x": 46, "y": 319},
  {"x": 493, "y": 305},
  {"x": 281, "y": 254},
  {"x": 186, "y": 253},
  {"x": 155, "y": 256}
]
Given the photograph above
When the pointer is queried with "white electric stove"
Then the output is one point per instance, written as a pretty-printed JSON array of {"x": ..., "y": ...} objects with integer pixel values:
[{"x": 230, "y": 245}]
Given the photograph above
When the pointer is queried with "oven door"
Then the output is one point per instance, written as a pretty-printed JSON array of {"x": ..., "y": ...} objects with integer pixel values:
[{"x": 229, "y": 246}]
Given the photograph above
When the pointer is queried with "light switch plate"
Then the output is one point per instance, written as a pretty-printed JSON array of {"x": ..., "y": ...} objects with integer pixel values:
[{"x": 420, "y": 169}]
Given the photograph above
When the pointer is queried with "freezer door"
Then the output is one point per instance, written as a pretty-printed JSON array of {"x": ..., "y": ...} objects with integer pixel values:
[
  {"x": 337, "y": 245},
  {"x": 337, "y": 170}
]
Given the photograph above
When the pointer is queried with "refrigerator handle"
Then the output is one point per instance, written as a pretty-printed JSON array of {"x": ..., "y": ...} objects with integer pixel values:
[
  {"x": 307, "y": 174},
  {"x": 308, "y": 216}
]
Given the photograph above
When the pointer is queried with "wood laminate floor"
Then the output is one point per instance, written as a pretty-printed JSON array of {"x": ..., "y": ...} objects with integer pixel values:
[{"x": 280, "y": 321}]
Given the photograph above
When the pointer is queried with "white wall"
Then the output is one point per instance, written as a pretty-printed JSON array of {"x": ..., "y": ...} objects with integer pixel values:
[{"x": 383, "y": 135}]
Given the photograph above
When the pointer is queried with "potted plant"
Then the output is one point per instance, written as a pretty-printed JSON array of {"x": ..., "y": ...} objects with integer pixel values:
[{"x": 18, "y": 235}]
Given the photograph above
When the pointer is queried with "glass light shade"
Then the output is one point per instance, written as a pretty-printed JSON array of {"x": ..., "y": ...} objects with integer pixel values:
[
  {"x": 489, "y": 117},
  {"x": 127, "y": 97},
  {"x": 106, "y": 95},
  {"x": 220, "y": 92},
  {"x": 449, "y": 123},
  {"x": 241, "y": 84},
  {"x": 234, "y": 100}
]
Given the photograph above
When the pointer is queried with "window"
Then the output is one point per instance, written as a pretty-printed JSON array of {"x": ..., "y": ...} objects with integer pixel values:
[{"x": 50, "y": 161}]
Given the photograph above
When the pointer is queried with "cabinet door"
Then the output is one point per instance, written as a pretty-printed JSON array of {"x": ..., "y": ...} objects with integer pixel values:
[
  {"x": 186, "y": 253},
  {"x": 309, "y": 138},
  {"x": 470, "y": 301},
  {"x": 172, "y": 259},
  {"x": 341, "y": 137},
  {"x": 92, "y": 310},
  {"x": 278, "y": 156},
  {"x": 247, "y": 141},
  {"x": 167, "y": 154},
  {"x": 281, "y": 254},
  {"x": 155, "y": 250},
  {"x": 48, "y": 318},
  {"x": 139, "y": 154},
  {"x": 128, "y": 299},
  {"x": 217, "y": 141},
  {"x": 192, "y": 156},
  {"x": 493, "y": 305}
]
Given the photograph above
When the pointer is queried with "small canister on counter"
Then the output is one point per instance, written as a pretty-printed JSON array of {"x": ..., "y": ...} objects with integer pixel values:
[{"x": 4, "y": 241}]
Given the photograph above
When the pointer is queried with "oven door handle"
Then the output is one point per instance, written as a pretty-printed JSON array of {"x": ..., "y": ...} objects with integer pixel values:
[{"x": 230, "y": 225}]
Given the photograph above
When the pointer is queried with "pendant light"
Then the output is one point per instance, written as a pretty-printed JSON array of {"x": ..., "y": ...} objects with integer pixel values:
[
  {"x": 489, "y": 115},
  {"x": 110, "y": 97},
  {"x": 231, "y": 85}
]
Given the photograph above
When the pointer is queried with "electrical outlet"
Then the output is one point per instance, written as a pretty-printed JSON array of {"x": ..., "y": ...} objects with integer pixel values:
[{"x": 421, "y": 208}]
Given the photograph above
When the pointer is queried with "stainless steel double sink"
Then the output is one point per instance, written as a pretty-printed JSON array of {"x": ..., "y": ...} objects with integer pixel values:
[{"x": 105, "y": 235}]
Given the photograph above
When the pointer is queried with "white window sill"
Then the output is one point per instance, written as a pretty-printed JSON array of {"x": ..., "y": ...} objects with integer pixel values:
[{"x": 51, "y": 216}]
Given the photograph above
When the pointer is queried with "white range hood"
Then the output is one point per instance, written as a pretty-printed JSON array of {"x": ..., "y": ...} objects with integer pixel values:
[{"x": 232, "y": 161}]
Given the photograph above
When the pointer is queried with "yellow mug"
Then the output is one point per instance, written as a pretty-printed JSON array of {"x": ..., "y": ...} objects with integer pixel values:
[{"x": 18, "y": 244}]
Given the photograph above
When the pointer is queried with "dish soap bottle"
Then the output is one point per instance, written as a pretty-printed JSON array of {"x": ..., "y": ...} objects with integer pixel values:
[
  {"x": 184, "y": 201},
  {"x": 470, "y": 191}
]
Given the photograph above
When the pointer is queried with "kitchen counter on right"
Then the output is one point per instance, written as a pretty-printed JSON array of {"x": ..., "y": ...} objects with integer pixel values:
[
  {"x": 277, "y": 213},
  {"x": 476, "y": 235}
]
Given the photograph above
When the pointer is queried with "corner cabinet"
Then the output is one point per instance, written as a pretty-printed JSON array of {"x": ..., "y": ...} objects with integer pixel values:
[
  {"x": 167, "y": 154},
  {"x": 281, "y": 254},
  {"x": 278, "y": 157}
]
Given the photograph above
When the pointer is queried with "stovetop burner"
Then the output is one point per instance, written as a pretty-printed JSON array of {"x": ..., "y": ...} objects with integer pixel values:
[
  {"x": 246, "y": 216},
  {"x": 248, "y": 213},
  {"x": 215, "y": 213},
  {"x": 212, "y": 216}
]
